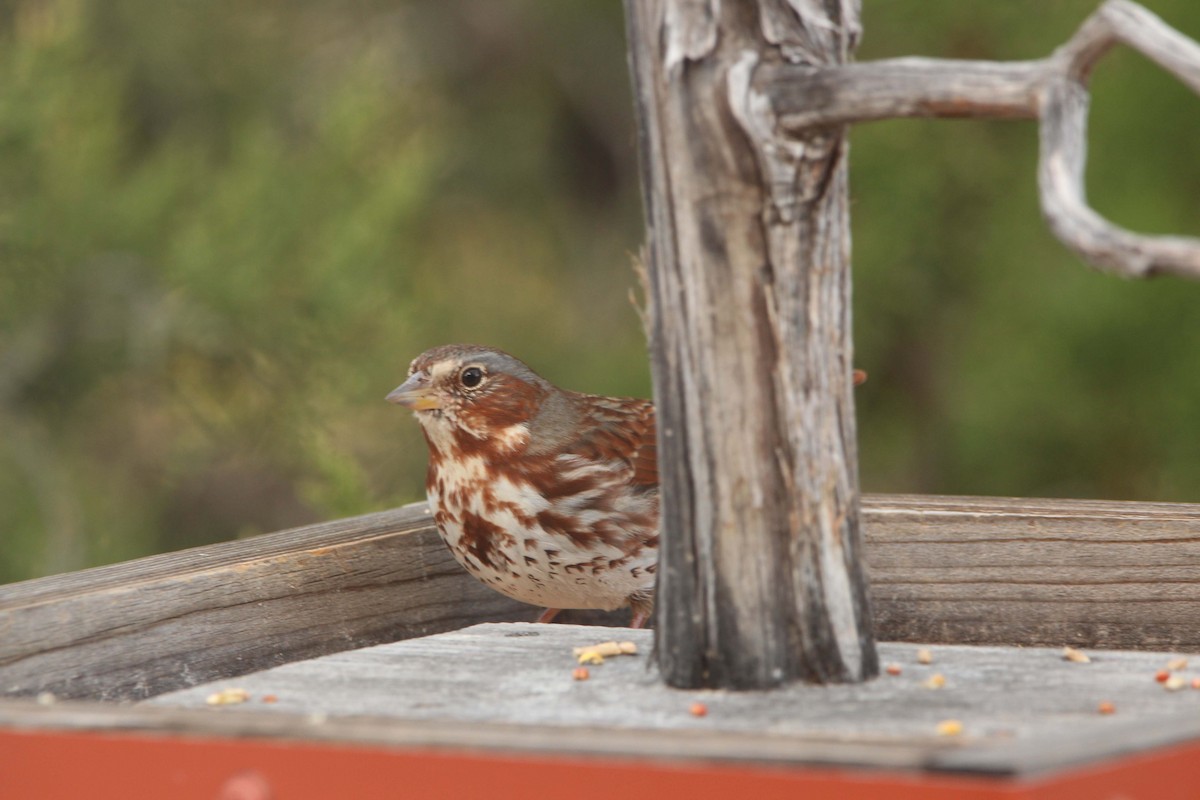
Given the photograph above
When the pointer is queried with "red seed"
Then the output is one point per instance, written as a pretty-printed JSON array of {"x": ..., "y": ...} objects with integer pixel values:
[
  {"x": 699, "y": 710},
  {"x": 1106, "y": 708},
  {"x": 581, "y": 674},
  {"x": 270, "y": 698},
  {"x": 893, "y": 669},
  {"x": 1162, "y": 675}
]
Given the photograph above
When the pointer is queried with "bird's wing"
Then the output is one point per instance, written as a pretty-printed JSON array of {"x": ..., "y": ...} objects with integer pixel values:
[{"x": 621, "y": 430}]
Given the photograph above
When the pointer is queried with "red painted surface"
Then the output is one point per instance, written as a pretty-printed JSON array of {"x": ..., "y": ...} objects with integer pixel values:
[
  {"x": 46, "y": 765},
  {"x": 1168, "y": 773}
]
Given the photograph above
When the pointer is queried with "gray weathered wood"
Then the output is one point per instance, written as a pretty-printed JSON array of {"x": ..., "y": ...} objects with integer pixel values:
[
  {"x": 759, "y": 580},
  {"x": 1053, "y": 89},
  {"x": 1023, "y": 710},
  {"x": 1024, "y": 571},
  {"x": 944, "y": 569},
  {"x": 133, "y": 630}
]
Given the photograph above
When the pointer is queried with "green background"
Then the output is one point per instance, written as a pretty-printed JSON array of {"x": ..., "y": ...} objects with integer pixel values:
[{"x": 226, "y": 227}]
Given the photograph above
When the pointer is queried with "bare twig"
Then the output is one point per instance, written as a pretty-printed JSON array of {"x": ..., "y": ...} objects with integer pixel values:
[{"x": 1052, "y": 90}]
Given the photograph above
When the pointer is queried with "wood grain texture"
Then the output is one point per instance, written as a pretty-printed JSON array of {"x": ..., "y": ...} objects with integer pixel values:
[
  {"x": 1024, "y": 571},
  {"x": 1052, "y": 89},
  {"x": 136, "y": 629},
  {"x": 510, "y": 686},
  {"x": 759, "y": 580},
  {"x": 943, "y": 570}
]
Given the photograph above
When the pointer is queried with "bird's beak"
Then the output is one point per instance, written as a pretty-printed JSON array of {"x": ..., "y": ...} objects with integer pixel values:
[{"x": 415, "y": 393}]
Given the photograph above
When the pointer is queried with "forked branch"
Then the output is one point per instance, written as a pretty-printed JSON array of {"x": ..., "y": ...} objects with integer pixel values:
[{"x": 1052, "y": 90}]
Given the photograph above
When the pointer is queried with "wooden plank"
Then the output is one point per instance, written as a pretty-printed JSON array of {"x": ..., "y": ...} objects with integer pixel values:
[
  {"x": 983, "y": 570},
  {"x": 252, "y": 722},
  {"x": 508, "y": 689},
  {"x": 133, "y": 630},
  {"x": 1026, "y": 571},
  {"x": 1023, "y": 711}
]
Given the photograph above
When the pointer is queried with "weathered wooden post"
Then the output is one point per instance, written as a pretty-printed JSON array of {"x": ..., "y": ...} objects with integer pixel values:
[
  {"x": 760, "y": 580},
  {"x": 741, "y": 112}
]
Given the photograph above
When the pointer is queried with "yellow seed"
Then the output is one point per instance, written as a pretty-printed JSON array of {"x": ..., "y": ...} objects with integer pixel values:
[
  {"x": 1174, "y": 683},
  {"x": 607, "y": 649},
  {"x": 591, "y": 657},
  {"x": 949, "y": 727},
  {"x": 924, "y": 656},
  {"x": 1176, "y": 664},
  {"x": 935, "y": 681},
  {"x": 227, "y": 697}
]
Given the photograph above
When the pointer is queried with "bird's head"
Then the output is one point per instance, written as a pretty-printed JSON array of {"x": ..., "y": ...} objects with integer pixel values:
[{"x": 465, "y": 395}]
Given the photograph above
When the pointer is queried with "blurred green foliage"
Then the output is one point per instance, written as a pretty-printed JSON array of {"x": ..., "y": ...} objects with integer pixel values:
[{"x": 226, "y": 227}]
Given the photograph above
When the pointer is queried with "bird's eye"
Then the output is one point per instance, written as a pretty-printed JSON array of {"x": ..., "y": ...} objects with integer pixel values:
[{"x": 471, "y": 377}]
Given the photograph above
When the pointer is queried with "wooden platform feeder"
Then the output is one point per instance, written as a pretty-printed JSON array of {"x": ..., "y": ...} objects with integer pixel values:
[{"x": 1026, "y": 648}]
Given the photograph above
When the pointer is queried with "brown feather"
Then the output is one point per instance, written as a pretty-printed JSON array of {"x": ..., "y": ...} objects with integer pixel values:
[{"x": 547, "y": 496}]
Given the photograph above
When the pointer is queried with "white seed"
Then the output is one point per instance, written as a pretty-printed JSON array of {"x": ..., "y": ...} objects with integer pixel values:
[{"x": 1174, "y": 683}]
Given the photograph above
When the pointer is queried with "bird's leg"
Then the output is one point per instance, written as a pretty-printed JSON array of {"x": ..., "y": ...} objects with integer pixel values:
[
  {"x": 642, "y": 605},
  {"x": 549, "y": 614}
]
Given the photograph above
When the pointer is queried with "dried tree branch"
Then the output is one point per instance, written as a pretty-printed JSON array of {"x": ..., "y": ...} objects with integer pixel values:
[
  {"x": 1052, "y": 90},
  {"x": 807, "y": 97}
]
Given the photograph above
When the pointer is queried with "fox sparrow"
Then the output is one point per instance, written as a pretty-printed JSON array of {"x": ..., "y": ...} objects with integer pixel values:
[{"x": 548, "y": 496}]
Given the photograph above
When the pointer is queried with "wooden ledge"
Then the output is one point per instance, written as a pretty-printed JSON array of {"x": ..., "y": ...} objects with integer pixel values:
[
  {"x": 136, "y": 629},
  {"x": 943, "y": 569},
  {"x": 455, "y": 713},
  {"x": 1023, "y": 711}
]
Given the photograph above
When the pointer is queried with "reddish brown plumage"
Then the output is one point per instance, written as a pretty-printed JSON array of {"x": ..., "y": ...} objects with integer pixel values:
[{"x": 546, "y": 495}]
